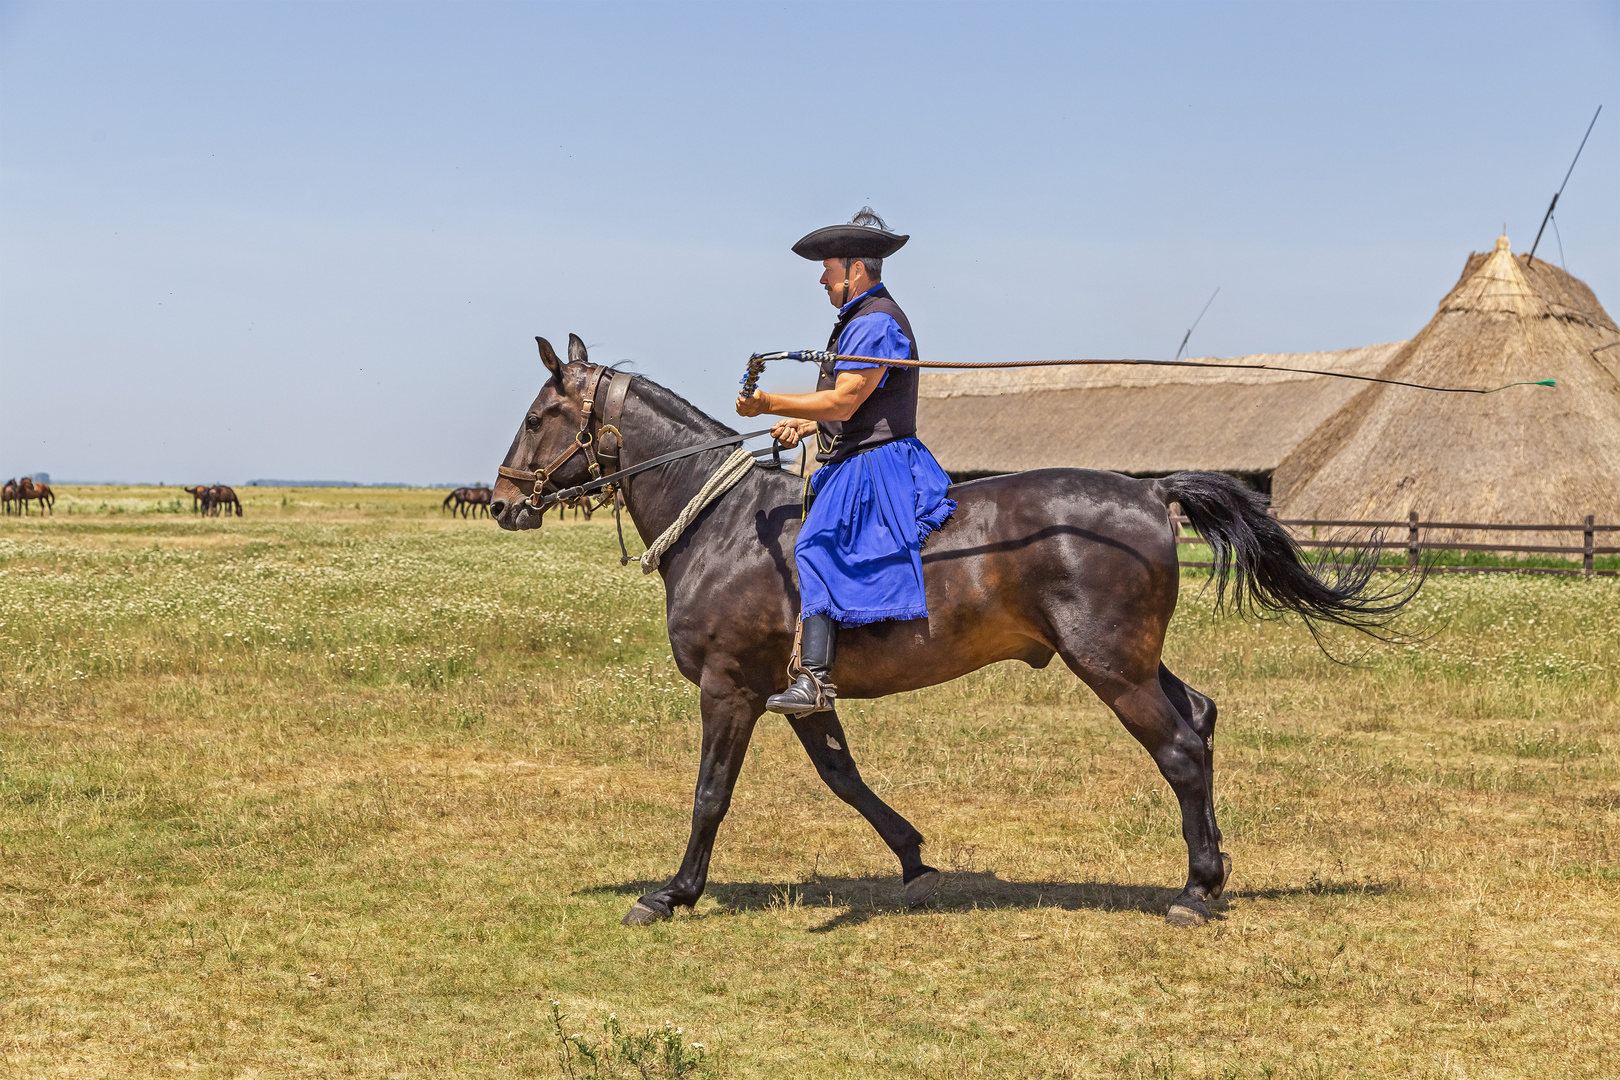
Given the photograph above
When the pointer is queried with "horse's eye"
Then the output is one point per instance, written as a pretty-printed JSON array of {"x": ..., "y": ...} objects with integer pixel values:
[{"x": 532, "y": 423}]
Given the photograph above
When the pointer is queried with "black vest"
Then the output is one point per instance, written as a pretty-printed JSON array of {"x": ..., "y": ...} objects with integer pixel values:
[{"x": 890, "y": 412}]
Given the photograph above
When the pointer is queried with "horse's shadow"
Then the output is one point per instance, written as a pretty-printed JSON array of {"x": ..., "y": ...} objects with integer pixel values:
[{"x": 859, "y": 899}]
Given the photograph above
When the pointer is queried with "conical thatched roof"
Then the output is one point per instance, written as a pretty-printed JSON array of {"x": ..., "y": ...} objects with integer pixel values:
[
  {"x": 1526, "y": 455},
  {"x": 1143, "y": 420}
]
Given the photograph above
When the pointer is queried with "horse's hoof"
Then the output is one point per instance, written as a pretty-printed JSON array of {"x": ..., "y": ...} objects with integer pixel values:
[
  {"x": 1187, "y": 911},
  {"x": 641, "y": 914},
  {"x": 921, "y": 889},
  {"x": 1226, "y": 874}
]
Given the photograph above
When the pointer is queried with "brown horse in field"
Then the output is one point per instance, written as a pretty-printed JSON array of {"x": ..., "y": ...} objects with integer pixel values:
[
  {"x": 28, "y": 491},
  {"x": 221, "y": 496},
  {"x": 10, "y": 494},
  {"x": 1070, "y": 563},
  {"x": 199, "y": 498},
  {"x": 478, "y": 500},
  {"x": 476, "y": 497}
]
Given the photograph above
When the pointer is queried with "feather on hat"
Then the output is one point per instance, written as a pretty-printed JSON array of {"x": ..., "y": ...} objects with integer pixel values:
[{"x": 866, "y": 236}]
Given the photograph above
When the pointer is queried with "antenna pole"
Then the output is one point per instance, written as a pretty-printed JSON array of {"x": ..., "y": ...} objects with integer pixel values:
[
  {"x": 1188, "y": 335},
  {"x": 1548, "y": 215},
  {"x": 1544, "y": 217}
]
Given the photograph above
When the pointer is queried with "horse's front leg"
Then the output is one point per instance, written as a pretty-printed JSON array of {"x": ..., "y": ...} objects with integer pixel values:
[
  {"x": 828, "y": 746},
  {"x": 730, "y": 711}
]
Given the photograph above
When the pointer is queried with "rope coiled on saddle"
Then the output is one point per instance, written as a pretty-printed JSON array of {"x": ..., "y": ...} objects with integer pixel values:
[{"x": 723, "y": 480}]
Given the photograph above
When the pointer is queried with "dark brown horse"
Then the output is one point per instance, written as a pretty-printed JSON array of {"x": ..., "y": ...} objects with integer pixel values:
[
  {"x": 28, "y": 491},
  {"x": 221, "y": 497},
  {"x": 476, "y": 498},
  {"x": 1057, "y": 562},
  {"x": 10, "y": 494}
]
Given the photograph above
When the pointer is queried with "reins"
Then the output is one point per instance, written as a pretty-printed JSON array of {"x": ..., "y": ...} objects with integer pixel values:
[
  {"x": 602, "y": 483},
  {"x": 757, "y": 362},
  {"x": 608, "y": 486}
]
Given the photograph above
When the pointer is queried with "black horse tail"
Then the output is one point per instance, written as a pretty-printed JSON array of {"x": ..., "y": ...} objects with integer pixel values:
[{"x": 1267, "y": 571}]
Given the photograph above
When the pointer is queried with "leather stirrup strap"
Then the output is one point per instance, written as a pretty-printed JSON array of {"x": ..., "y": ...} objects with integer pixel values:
[
  {"x": 795, "y": 658},
  {"x": 825, "y": 691}
]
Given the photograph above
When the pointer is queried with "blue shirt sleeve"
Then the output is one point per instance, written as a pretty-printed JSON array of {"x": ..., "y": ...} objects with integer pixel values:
[{"x": 877, "y": 335}]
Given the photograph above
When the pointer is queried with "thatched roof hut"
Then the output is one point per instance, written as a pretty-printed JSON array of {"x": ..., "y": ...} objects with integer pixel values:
[
  {"x": 1146, "y": 421},
  {"x": 1526, "y": 455}
]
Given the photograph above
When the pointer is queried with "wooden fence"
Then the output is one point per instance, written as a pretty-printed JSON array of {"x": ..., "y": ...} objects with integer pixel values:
[{"x": 1416, "y": 544}]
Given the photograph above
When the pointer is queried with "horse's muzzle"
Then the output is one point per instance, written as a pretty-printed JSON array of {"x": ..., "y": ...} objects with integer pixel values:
[
  {"x": 509, "y": 506},
  {"x": 515, "y": 516}
]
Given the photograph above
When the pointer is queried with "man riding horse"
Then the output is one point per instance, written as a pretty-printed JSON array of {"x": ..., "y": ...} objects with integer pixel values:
[
  {"x": 1035, "y": 566},
  {"x": 879, "y": 492}
]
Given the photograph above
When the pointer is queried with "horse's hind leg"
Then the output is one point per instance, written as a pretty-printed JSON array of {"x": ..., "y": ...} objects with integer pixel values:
[
  {"x": 1199, "y": 712},
  {"x": 1182, "y": 757},
  {"x": 824, "y": 740}
]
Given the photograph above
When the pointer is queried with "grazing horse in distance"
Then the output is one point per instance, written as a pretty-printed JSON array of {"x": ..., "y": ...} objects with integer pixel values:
[
  {"x": 219, "y": 495},
  {"x": 478, "y": 498},
  {"x": 199, "y": 498},
  {"x": 9, "y": 494},
  {"x": 462, "y": 496},
  {"x": 28, "y": 491}
]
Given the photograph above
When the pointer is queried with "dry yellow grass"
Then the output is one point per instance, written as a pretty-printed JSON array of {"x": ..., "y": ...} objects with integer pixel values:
[{"x": 358, "y": 790}]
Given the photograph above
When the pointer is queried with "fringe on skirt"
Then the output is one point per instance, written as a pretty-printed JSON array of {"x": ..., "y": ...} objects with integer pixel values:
[{"x": 859, "y": 551}]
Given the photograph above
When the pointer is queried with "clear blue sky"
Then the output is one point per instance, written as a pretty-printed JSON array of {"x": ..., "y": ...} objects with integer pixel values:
[{"x": 316, "y": 240}]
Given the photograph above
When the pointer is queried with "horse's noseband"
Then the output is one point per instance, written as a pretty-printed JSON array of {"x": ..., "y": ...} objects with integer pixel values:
[{"x": 596, "y": 445}]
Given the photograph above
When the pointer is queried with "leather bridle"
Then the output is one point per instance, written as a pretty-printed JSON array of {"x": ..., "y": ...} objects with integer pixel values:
[{"x": 602, "y": 445}]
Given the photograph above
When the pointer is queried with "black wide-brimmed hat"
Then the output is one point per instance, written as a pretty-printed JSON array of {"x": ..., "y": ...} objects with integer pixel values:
[{"x": 849, "y": 242}]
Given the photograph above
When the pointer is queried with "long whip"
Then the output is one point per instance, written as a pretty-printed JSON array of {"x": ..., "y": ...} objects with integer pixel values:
[{"x": 757, "y": 362}]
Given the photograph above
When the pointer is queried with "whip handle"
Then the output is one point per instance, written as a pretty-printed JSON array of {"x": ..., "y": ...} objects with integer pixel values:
[{"x": 750, "y": 381}]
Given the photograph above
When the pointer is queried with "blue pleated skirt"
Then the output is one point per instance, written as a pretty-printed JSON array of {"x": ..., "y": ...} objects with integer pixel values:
[{"x": 859, "y": 552}]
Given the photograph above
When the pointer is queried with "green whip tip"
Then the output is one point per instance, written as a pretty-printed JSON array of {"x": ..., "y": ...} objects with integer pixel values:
[{"x": 1546, "y": 382}]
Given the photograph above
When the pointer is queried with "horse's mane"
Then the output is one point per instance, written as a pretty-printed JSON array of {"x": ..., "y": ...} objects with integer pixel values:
[{"x": 671, "y": 404}]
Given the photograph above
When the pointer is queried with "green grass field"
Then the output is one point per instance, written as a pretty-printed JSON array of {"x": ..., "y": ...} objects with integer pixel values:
[{"x": 346, "y": 787}]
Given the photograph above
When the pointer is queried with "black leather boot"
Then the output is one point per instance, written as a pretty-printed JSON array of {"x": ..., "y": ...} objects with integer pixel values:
[{"x": 813, "y": 689}]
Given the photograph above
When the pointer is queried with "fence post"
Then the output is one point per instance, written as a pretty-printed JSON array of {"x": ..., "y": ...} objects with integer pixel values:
[
  {"x": 1586, "y": 556},
  {"x": 1412, "y": 538}
]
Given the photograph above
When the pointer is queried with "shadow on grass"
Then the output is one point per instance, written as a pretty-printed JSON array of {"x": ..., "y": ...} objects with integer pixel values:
[{"x": 856, "y": 900}]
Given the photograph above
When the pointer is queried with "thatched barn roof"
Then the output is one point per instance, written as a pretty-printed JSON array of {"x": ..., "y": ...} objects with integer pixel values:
[
  {"x": 1526, "y": 455},
  {"x": 1141, "y": 420}
]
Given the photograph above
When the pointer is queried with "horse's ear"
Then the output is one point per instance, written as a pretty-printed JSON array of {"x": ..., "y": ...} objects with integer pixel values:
[
  {"x": 576, "y": 350},
  {"x": 548, "y": 357}
]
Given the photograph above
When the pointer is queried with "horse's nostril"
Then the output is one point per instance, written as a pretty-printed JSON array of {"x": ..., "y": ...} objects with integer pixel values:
[{"x": 497, "y": 507}]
